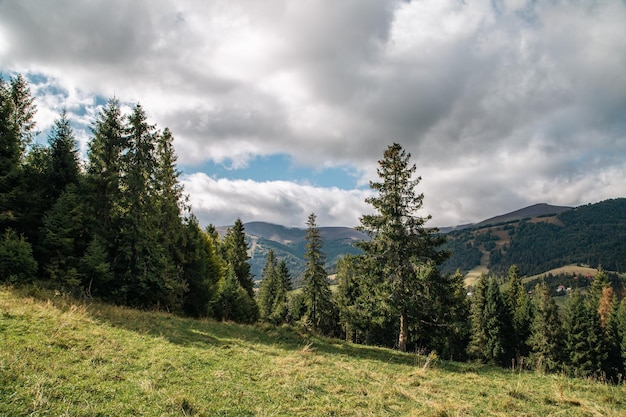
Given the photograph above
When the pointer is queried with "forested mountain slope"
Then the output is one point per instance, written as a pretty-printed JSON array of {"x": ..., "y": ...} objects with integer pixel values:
[
  {"x": 594, "y": 234},
  {"x": 289, "y": 244}
]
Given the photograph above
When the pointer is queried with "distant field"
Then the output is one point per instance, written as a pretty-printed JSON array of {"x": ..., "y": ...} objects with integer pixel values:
[
  {"x": 61, "y": 357},
  {"x": 567, "y": 269}
]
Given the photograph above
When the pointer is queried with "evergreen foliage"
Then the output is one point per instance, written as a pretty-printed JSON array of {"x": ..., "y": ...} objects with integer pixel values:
[
  {"x": 546, "y": 336},
  {"x": 400, "y": 243},
  {"x": 519, "y": 304},
  {"x": 316, "y": 289},
  {"x": 16, "y": 258},
  {"x": 235, "y": 249},
  {"x": 499, "y": 343}
]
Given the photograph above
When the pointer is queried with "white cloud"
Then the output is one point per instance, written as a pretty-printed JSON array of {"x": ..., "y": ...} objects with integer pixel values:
[
  {"x": 221, "y": 201},
  {"x": 502, "y": 103}
]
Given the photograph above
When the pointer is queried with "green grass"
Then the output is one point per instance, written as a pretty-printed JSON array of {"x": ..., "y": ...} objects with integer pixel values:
[{"x": 60, "y": 356}]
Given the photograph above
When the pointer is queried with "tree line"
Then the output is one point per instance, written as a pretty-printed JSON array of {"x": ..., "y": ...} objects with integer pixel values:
[{"x": 118, "y": 227}]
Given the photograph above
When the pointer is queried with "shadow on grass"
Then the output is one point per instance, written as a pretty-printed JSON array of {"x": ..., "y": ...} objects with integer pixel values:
[{"x": 209, "y": 333}]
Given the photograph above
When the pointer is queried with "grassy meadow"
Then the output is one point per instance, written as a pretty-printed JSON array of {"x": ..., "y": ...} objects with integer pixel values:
[{"x": 64, "y": 357}]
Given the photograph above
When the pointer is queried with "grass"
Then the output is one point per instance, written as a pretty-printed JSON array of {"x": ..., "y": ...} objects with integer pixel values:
[{"x": 60, "y": 356}]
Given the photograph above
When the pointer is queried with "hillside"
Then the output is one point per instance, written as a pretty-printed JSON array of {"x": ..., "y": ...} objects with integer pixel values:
[
  {"x": 59, "y": 356},
  {"x": 289, "y": 244},
  {"x": 593, "y": 235}
]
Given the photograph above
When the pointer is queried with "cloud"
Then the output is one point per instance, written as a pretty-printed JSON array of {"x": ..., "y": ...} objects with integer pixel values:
[
  {"x": 222, "y": 201},
  {"x": 501, "y": 103}
]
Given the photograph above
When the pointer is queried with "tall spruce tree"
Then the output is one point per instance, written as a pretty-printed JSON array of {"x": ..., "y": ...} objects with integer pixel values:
[
  {"x": 280, "y": 308},
  {"x": 519, "y": 303},
  {"x": 316, "y": 289},
  {"x": 202, "y": 269},
  {"x": 235, "y": 249},
  {"x": 399, "y": 241},
  {"x": 499, "y": 346},
  {"x": 103, "y": 192},
  {"x": 268, "y": 287},
  {"x": 478, "y": 339},
  {"x": 584, "y": 337},
  {"x": 546, "y": 336},
  {"x": 17, "y": 124}
]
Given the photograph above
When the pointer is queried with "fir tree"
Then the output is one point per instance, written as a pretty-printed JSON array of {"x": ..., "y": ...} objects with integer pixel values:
[
  {"x": 399, "y": 241},
  {"x": 499, "y": 346},
  {"x": 202, "y": 270},
  {"x": 519, "y": 304},
  {"x": 585, "y": 343},
  {"x": 316, "y": 289},
  {"x": 280, "y": 308},
  {"x": 16, "y": 258},
  {"x": 268, "y": 287},
  {"x": 17, "y": 112},
  {"x": 478, "y": 340},
  {"x": 233, "y": 302},
  {"x": 235, "y": 249},
  {"x": 546, "y": 337}
]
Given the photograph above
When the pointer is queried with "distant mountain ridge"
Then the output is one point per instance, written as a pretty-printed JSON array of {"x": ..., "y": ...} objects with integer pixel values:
[
  {"x": 535, "y": 210},
  {"x": 289, "y": 243},
  {"x": 536, "y": 238}
]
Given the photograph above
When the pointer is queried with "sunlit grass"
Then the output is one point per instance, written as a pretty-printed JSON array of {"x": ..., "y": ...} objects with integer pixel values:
[{"x": 60, "y": 356}]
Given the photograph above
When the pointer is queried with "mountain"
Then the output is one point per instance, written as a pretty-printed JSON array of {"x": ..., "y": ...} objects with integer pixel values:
[
  {"x": 537, "y": 241},
  {"x": 535, "y": 238},
  {"x": 289, "y": 244},
  {"x": 536, "y": 210}
]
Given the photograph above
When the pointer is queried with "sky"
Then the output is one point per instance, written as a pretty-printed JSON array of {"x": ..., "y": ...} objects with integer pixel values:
[{"x": 282, "y": 108}]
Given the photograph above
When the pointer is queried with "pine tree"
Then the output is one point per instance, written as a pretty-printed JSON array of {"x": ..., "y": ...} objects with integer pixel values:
[
  {"x": 17, "y": 112},
  {"x": 17, "y": 264},
  {"x": 351, "y": 315},
  {"x": 64, "y": 160},
  {"x": 546, "y": 337},
  {"x": 316, "y": 289},
  {"x": 202, "y": 270},
  {"x": 103, "y": 193},
  {"x": 478, "y": 339},
  {"x": 236, "y": 254},
  {"x": 64, "y": 239},
  {"x": 399, "y": 241},
  {"x": 499, "y": 346},
  {"x": 519, "y": 304},
  {"x": 620, "y": 323},
  {"x": 233, "y": 302},
  {"x": 280, "y": 308},
  {"x": 268, "y": 287},
  {"x": 95, "y": 270},
  {"x": 585, "y": 343}
]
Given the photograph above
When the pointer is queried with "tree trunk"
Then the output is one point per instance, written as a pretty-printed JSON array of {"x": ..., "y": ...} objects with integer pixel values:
[{"x": 404, "y": 333}]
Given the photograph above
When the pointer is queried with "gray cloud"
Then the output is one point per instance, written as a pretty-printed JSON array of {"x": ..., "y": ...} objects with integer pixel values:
[{"x": 501, "y": 103}]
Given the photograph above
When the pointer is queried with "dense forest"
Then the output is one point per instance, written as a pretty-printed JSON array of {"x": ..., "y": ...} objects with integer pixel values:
[
  {"x": 593, "y": 235},
  {"x": 117, "y": 227}
]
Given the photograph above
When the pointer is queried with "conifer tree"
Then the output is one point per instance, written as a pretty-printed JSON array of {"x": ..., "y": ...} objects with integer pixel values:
[
  {"x": 546, "y": 337},
  {"x": 478, "y": 340},
  {"x": 64, "y": 239},
  {"x": 399, "y": 241},
  {"x": 620, "y": 323},
  {"x": 202, "y": 270},
  {"x": 233, "y": 302},
  {"x": 519, "y": 304},
  {"x": 64, "y": 160},
  {"x": 268, "y": 287},
  {"x": 102, "y": 182},
  {"x": 16, "y": 258},
  {"x": 585, "y": 343},
  {"x": 235, "y": 249},
  {"x": 316, "y": 289},
  {"x": 499, "y": 346},
  {"x": 280, "y": 308},
  {"x": 17, "y": 112}
]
